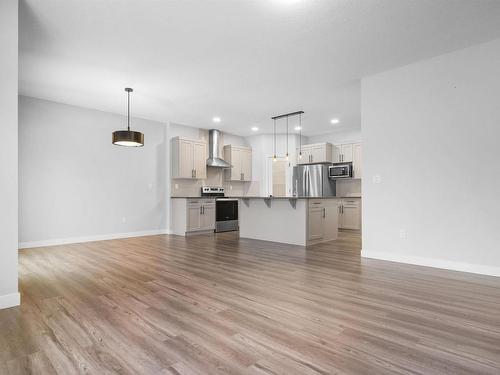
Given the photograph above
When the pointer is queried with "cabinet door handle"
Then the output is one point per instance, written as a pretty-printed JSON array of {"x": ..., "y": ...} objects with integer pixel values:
[
  {"x": 324, "y": 213},
  {"x": 342, "y": 208},
  {"x": 195, "y": 173}
]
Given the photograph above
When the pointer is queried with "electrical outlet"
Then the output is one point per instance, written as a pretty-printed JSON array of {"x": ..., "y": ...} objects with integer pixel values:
[
  {"x": 230, "y": 187},
  {"x": 377, "y": 179},
  {"x": 124, "y": 219},
  {"x": 402, "y": 234},
  {"x": 176, "y": 186}
]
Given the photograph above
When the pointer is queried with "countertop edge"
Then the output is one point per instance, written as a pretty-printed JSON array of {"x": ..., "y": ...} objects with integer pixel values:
[{"x": 258, "y": 197}]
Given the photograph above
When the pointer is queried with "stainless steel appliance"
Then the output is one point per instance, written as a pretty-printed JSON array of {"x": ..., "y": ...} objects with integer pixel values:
[
  {"x": 340, "y": 170},
  {"x": 214, "y": 158},
  {"x": 212, "y": 191},
  {"x": 311, "y": 180},
  {"x": 226, "y": 209},
  {"x": 226, "y": 214}
]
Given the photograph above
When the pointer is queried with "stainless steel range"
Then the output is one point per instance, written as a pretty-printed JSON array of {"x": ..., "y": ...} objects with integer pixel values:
[{"x": 226, "y": 209}]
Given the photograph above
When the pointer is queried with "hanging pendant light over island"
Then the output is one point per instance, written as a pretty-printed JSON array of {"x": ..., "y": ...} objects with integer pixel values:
[
  {"x": 287, "y": 115},
  {"x": 128, "y": 138}
]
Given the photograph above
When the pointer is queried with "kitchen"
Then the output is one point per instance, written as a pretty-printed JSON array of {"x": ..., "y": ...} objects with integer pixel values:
[{"x": 305, "y": 200}]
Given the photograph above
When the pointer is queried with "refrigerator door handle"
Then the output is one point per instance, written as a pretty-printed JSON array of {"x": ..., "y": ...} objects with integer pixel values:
[{"x": 306, "y": 182}]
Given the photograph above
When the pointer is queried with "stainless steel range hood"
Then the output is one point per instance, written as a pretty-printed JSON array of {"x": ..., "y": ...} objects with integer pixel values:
[{"x": 214, "y": 159}]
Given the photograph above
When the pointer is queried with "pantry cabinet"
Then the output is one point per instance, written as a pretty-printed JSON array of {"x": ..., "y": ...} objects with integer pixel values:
[
  {"x": 315, "y": 153},
  {"x": 322, "y": 220},
  {"x": 189, "y": 158},
  {"x": 240, "y": 157}
]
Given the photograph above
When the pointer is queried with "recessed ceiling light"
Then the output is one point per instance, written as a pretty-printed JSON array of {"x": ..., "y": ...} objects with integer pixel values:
[
  {"x": 255, "y": 128},
  {"x": 298, "y": 128},
  {"x": 334, "y": 120},
  {"x": 216, "y": 119}
]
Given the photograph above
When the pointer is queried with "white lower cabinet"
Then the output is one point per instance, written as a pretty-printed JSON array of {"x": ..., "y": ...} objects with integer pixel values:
[
  {"x": 350, "y": 213},
  {"x": 316, "y": 226},
  {"x": 192, "y": 215},
  {"x": 193, "y": 221},
  {"x": 208, "y": 215},
  {"x": 322, "y": 220}
]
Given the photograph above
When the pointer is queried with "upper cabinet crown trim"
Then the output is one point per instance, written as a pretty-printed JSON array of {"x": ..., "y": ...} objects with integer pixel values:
[
  {"x": 316, "y": 144},
  {"x": 181, "y": 138},
  {"x": 238, "y": 146}
]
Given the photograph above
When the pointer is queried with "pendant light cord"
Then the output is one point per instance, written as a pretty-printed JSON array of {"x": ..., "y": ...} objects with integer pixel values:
[
  {"x": 274, "y": 139},
  {"x": 287, "y": 136},
  {"x": 128, "y": 111},
  {"x": 300, "y": 133}
]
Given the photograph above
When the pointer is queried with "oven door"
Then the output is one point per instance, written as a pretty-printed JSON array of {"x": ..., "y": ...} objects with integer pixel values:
[{"x": 226, "y": 215}]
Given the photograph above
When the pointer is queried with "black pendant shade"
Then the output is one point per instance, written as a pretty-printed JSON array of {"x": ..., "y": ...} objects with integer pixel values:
[{"x": 128, "y": 138}]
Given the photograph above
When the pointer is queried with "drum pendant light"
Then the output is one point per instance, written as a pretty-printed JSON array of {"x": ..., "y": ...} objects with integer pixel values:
[{"x": 128, "y": 138}]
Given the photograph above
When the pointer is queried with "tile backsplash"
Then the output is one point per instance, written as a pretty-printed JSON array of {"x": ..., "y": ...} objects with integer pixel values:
[{"x": 348, "y": 187}]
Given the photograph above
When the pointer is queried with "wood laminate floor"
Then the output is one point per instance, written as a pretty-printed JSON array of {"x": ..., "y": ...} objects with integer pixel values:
[{"x": 223, "y": 305}]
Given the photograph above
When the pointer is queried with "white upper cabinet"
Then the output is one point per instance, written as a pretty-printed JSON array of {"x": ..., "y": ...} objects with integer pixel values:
[
  {"x": 315, "y": 153},
  {"x": 350, "y": 152},
  {"x": 343, "y": 153},
  {"x": 240, "y": 157},
  {"x": 189, "y": 158}
]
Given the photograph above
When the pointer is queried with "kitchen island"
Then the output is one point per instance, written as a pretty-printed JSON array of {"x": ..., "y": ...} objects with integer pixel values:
[{"x": 294, "y": 220}]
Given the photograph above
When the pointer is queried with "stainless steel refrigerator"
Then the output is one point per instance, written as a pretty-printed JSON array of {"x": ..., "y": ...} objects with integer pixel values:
[{"x": 311, "y": 180}]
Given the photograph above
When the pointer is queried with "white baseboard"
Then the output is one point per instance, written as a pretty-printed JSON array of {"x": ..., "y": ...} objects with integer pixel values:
[
  {"x": 113, "y": 236},
  {"x": 431, "y": 262},
  {"x": 10, "y": 300}
]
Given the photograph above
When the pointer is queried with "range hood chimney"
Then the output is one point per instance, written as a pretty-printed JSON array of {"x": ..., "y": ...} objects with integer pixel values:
[{"x": 214, "y": 159}]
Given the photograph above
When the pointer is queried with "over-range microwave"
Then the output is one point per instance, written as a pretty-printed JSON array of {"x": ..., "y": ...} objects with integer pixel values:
[{"x": 340, "y": 170}]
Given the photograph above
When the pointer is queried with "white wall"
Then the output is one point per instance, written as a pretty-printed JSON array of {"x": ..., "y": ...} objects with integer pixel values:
[
  {"x": 74, "y": 184},
  {"x": 431, "y": 131},
  {"x": 9, "y": 295}
]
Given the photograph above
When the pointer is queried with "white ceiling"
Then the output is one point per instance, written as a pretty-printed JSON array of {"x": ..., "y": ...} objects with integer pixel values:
[{"x": 244, "y": 61}]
